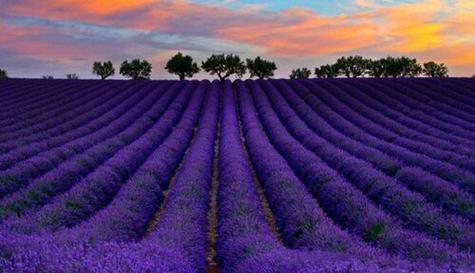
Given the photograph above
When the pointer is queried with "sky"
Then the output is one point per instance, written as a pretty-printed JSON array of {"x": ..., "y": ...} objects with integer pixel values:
[{"x": 56, "y": 37}]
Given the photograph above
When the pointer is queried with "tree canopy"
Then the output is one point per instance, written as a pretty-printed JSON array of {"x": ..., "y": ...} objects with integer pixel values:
[
  {"x": 327, "y": 71},
  {"x": 300, "y": 73},
  {"x": 356, "y": 66},
  {"x": 3, "y": 74},
  {"x": 104, "y": 70},
  {"x": 260, "y": 68},
  {"x": 136, "y": 69},
  {"x": 352, "y": 66},
  {"x": 72, "y": 76},
  {"x": 436, "y": 70},
  {"x": 183, "y": 66},
  {"x": 224, "y": 66}
]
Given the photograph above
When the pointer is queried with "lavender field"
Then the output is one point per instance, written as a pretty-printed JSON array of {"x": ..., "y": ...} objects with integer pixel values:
[{"x": 321, "y": 175}]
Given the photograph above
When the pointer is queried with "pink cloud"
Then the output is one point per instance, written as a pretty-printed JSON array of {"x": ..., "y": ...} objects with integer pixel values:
[{"x": 429, "y": 26}]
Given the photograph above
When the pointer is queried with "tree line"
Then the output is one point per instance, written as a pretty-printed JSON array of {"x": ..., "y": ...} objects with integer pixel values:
[
  {"x": 224, "y": 66},
  {"x": 358, "y": 66}
]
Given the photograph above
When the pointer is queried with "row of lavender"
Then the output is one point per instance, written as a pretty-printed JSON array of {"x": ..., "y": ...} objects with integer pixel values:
[{"x": 331, "y": 164}]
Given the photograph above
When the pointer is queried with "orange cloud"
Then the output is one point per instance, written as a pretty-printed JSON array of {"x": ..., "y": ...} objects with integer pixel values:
[
  {"x": 304, "y": 33},
  {"x": 415, "y": 29}
]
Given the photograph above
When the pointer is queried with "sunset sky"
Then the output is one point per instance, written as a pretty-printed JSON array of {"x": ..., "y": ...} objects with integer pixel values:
[{"x": 66, "y": 36}]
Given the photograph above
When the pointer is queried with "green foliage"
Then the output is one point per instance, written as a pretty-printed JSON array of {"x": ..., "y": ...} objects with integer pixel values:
[
  {"x": 399, "y": 67},
  {"x": 435, "y": 70},
  {"x": 304, "y": 226},
  {"x": 353, "y": 66},
  {"x": 327, "y": 71},
  {"x": 48, "y": 77},
  {"x": 373, "y": 233},
  {"x": 408, "y": 67},
  {"x": 224, "y": 66},
  {"x": 136, "y": 69},
  {"x": 260, "y": 68},
  {"x": 183, "y": 66},
  {"x": 300, "y": 73},
  {"x": 377, "y": 68},
  {"x": 390, "y": 67},
  {"x": 104, "y": 70},
  {"x": 3, "y": 74},
  {"x": 356, "y": 66},
  {"x": 72, "y": 76}
]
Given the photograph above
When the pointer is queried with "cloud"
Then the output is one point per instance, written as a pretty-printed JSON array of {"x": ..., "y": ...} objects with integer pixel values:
[{"x": 429, "y": 29}]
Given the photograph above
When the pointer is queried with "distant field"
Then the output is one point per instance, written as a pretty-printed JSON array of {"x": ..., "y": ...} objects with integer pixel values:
[{"x": 334, "y": 175}]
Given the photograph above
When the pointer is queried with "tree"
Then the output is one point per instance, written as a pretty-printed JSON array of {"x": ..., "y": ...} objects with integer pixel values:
[
  {"x": 104, "y": 70},
  {"x": 48, "y": 77},
  {"x": 300, "y": 73},
  {"x": 433, "y": 69},
  {"x": 353, "y": 66},
  {"x": 3, "y": 74},
  {"x": 260, "y": 68},
  {"x": 408, "y": 67},
  {"x": 224, "y": 66},
  {"x": 377, "y": 68},
  {"x": 72, "y": 76},
  {"x": 137, "y": 69},
  {"x": 394, "y": 67},
  {"x": 183, "y": 66},
  {"x": 327, "y": 71}
]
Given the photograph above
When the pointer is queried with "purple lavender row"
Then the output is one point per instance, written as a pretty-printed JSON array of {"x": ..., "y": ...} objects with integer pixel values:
[
  {"x": 451, "y": 103},
  {"x": 401, "y": 135},
  {"x": 31, "y": 95},
  {"x": 68, "y": 110},
  {"x": 453, "y": 89},
  {"x": 28, "y": 254},
  {"x": 411, "y": 207},
  {"x": 127, "y": 216},
  {"x": 427, "y": 126},
  {"x": 183, "y": 223},
  {"x": 22, "y": 126},
  {"x": 388, "y": 127},
  {"x": 241, "y": 222},
  {"x": 65, "y": 118},
  {"x": 463, "y": 124},
  {"x": 157, "y": 170},
  {"x": 345, "y": 204},
  {"x": 444, "y": 142},
  {"x": 115, "y": 136},
  {"x": 417, "y": 101},
  {"x": 420, "y": 102},
  {"x": 22, "y": 254},
  {"x": 302, "y": 223},
  {"x": 245, "y": 242},
  {"x": 358, "y": 127},
  {"x": 22, "y": 173},
  {"x": 71, "y": 172},
  {"x": 98, "y": 188},
  {"x": 65, "y": 93},
  {"x": 110, "y": 111},
  {"x": 439, "y": 191},
  {"x": 446, "y": 104},
  {"x": 463, "y": 86},
  {"x": 17, "y": 90}
]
